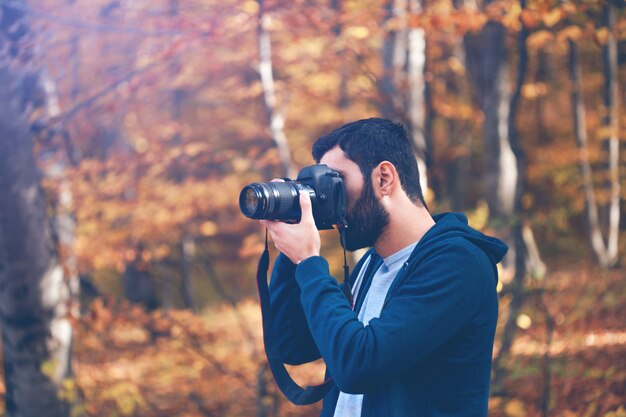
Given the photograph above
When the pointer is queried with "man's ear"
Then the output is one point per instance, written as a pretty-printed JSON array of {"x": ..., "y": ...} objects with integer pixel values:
[{"x": 385, "y": 178}]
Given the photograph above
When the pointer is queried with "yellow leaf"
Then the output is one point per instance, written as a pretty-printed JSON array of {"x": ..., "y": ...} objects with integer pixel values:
[
  {"x": 195, "y": 148},
  {"x": 250, "y": 7},
  {"x": 240, "y": 164},
  {"x": 515, "y": 408},
  {"x": 620, "y": 412},
  {"x": 524, "y": 321},
  {"x": 552, "y": 17},
  {"x": 591, "y": 410},
  {"x": 357, "y": 32},
  {"x": 528, "y": 19},
  {"x": 456, "y": 65},
  {"x": 208, "y": 228},
  {"x": 602, "y": 36},
  {"x": 512, "y": 20},
  {"x": 539, "y": 39},
  {"x": 479, "y": 217},
  {"x": 533, "y": 90},
  {"x": 569, "y": 8},
  {"x": 569, "y": 33},
  {"x": 141, "y": 144}
]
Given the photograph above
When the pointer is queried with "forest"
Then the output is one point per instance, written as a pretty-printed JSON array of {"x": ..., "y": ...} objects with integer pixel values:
[{"x": 128, "y": 129}]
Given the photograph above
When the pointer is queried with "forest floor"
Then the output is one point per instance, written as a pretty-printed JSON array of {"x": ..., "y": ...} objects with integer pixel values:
[
  {"x": 571, "y": 361},
  {"x": 173, "y": 363}
]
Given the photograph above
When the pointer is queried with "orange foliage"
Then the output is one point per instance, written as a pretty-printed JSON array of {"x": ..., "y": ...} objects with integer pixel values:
[
  {"x": 163, "y": 123},
  {"x": 133, "y": 363},
  {"x": 178, "y": 126},
  {"x": 129, "y": 362}
]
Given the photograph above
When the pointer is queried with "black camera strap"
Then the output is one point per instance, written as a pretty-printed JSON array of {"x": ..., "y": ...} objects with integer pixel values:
[
  {"x": 347, "y": 291},
  {"x": 294, "y": 392}
]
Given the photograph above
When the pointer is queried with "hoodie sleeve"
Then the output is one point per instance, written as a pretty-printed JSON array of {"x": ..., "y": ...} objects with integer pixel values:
[
  {"x": 295, "y": 342},
  {"x": 433, "y": 303}
]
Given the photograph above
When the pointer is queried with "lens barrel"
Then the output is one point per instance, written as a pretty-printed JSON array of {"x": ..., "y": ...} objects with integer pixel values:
[{"x": 272, "y": 200}]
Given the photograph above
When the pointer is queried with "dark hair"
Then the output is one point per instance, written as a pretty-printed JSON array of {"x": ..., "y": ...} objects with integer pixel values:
[{"x": 368, "y": 142}]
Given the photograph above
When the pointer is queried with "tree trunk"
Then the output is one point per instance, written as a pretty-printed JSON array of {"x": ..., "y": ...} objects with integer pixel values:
[
  {"x": 275, "y": 115},
  {"x": 598, "y": 246},
  {"x": 34, "y": 296},
  {"x": 416, "y": 93},
  {"x": 177, "y": 94},
  {"x": 187, "y": 245},
  {"x": 458, "y": 134},
  {"x": 403, "y": 83},
  {"x": 268, "y": 403},
  {"x": 344, "y": 97},
  {"x": 139, "y": 286},
  {"x": 528, "y": 260},
  {"x": 56, "y": 161},
  {"x": 503, "y": 145},
  {"x": 187, "y": 255},
  {"x": 542, "y": 77},
  {"x": 486, "y": 57},
  {"x": 393, "y": 59},
  {"x": 505, "y": 162},
  {"x": 611, "y": 141}
]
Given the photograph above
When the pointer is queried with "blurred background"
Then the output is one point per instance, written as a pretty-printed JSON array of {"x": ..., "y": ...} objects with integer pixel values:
[{"x": 128, "y": 129}]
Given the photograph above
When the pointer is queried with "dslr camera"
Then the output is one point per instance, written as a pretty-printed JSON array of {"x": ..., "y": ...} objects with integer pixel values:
[{"x": 281, "y": 200}]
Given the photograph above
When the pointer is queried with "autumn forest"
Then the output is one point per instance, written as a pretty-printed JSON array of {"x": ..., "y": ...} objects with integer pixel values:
[{"x": 128, "y": 129}]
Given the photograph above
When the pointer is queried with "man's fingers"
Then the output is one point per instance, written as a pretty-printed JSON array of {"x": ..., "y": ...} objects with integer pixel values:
[
  {"x": 296, "y": 241},
  {"x": 305, "y": 206}
]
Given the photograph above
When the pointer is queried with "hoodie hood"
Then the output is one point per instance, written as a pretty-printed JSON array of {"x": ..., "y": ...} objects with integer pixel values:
[{"x": 455, "y": 224}]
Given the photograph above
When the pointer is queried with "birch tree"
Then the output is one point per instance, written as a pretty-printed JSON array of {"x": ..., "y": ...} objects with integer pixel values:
[
  {"x": 403, "y": 83},
  {"x": 609, "y": 257},
  {"x": 488, "y": 68},
  {"x": 344, "y": 97},
  {"x": 505, "y": 161},
  {"x": 604, "y": 249},
  {"x": 275, "y": 114},
  {"x": 267, "y": 404},
  {"x": 34, "y": 297}
]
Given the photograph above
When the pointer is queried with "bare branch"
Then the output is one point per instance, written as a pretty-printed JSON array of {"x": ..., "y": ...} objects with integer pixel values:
[
  {"x": 68, "y": 115},
  {"x": 93, "y": 26}
]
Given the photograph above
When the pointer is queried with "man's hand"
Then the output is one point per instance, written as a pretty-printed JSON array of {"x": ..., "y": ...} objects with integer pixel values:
[{"x": 297, "y": 241}]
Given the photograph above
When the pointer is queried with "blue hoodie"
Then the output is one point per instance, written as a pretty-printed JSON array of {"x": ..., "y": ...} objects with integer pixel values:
[{"x": 428, "y": 354}]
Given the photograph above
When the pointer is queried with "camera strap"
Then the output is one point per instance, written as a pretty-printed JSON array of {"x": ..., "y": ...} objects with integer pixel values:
[
  {"x": 294, "y": 392},
  {"x": 347, "y": 291}
]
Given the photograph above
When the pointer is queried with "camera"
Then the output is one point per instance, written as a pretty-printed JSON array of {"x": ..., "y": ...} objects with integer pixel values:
[{"x": 281, "y": 200}]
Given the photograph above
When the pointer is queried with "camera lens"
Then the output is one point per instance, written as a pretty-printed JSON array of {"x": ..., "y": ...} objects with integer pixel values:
[
  {"x": 251, "y": 201},
  {"x": 271, "y": 200}
]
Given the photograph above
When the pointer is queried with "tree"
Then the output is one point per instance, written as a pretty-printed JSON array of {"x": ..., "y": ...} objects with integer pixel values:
[
  {"x": 488, "y": 67},
  {"x": 275, "y": 114},
  {"x": 34, "y": 297},
  {"x": 344, "y": 97},
  {"x": 605, "y": 251},
  {"x": 403, "y": 84},
  {"x": 609, "y": 257},
  {"x": 505, "y": 159}
]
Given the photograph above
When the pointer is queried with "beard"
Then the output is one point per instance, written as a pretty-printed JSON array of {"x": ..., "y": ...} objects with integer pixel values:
[{"x": 366, "y": 221}]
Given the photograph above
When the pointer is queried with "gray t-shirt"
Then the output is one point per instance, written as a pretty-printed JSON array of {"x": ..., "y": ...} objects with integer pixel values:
[{"x": 349, "y": 405}]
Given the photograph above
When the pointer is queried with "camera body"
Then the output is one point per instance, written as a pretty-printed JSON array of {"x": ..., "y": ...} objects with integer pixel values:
[{"x": 281, "y": 200}]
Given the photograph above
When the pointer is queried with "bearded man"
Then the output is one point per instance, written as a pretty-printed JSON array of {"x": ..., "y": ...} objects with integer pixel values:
[{"x": 418, "y": 340}]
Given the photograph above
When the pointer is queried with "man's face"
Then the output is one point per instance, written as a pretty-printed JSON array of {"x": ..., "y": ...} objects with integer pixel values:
[{"x": 366, "y": 216}]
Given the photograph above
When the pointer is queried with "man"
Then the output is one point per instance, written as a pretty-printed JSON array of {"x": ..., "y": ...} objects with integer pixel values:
[{"x": 419, "y": 339}]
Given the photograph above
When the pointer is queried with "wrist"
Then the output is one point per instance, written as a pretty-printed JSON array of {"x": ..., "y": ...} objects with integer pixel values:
[
  {"x": 305, "y": 258},
  {"x": 311, "y": 269}
]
